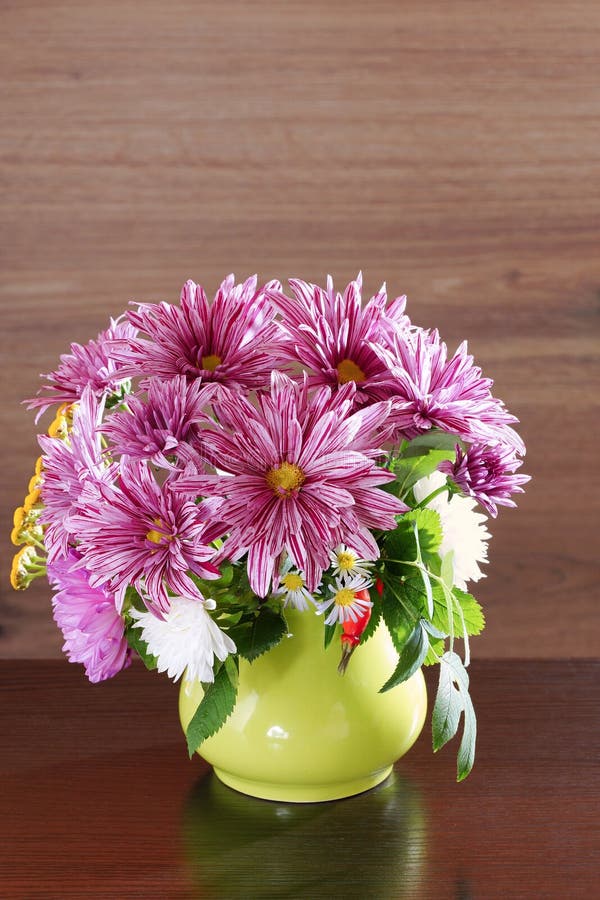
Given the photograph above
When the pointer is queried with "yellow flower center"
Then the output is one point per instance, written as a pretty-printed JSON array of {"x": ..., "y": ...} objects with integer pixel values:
[
  {"x": 349, "y": 371},
  {"x": 157, "y": 537},
  {"x": 292, "y": 582},
  {"x": 285, "y": 479},
  {"x": 345, "y": 560},
  {"x": 211, "y": 362},
  {"x": 344, "y": 597}
]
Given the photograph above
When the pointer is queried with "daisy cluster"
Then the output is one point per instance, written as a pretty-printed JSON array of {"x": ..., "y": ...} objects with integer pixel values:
[{"x": 212, "y": 457}]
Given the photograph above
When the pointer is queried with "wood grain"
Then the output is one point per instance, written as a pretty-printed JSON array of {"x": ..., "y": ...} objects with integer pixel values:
[
  {"x": 100, "y": 800},
  {"x": 449, "y": 149}
]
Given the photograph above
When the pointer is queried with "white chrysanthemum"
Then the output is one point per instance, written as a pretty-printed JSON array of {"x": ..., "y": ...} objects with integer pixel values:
[
  {"x": 293, "y": 589},
  {"x": 347, "y": 564},
  {"x": 464, "y": 530},
  {"x": 187, "y": 638},
  {"x": 344, "y": 603}
]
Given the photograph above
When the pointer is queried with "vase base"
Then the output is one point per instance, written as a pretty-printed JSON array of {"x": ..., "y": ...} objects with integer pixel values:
[{"x": 302, "y": 793}]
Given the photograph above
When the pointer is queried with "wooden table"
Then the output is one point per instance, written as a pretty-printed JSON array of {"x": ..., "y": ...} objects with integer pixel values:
[{"x": 100, "y": 800}]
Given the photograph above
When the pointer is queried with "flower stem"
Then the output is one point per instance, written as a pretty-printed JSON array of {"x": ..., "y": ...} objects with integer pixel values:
[{"x": 429, "y": 497}]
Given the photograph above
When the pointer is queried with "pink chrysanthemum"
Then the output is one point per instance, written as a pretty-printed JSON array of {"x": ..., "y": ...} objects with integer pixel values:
[
  {"x": 489, "y": 474},
  {"x": 94, "y": 632},
  {"x": 330, "y": 334},
  {"x": 91, "y": 365},
  {"x": 430, "y": 390},
  {"x": 303, "y": 478},
  {"x": 232, "y": 340},
  {"x": 139, "y": 533},
  {"x": 164, "y": 424},
  {"x": 67, "y": 465}
]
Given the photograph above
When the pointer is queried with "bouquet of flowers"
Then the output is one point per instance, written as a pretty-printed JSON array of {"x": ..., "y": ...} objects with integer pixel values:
[{"x": 214, "y": 463}]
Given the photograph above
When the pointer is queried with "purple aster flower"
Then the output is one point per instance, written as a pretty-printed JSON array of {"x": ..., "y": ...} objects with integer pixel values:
[
  {"x": 330, "y": 334},
  {"x": 67, "y": 464},
  {"x": 430, "y": 390},
  {"x": 92, "y": 364},
  {"x": 137, "y": 532},
  {"x": 232, "y": 340},
  {"x": 302, "y": 478},
  {"x": 487, "y": 473},
  {"x": 162, "y": 425},
  {"x": 94, "y": 632}
]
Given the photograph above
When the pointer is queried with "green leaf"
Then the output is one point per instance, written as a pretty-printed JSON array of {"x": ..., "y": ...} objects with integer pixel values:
[
  {"x": 328, "y": 635},
  {"x": 132, "y": 598},
  {"x": 400, "y": 617},
  {"x": 401, "y": 543},
  {"x": 452, "y": 700},
  {"x": 436, "y": 649},
  {"x": 411, "y": 658},
  {"x": 447, "y": 569},
  {"x": 410, "y": 469},
  {"x": 255, "y": 636},
  {"x": 432, "y": 440},
  {"x": 232, "y": 667},
  {"x": 471, "y": 610},
  {"x": 448, "y": 707},
  {"x": 429, "y": 527},
  {"x": 226, "y": 577},
  {"x": 374, "y": 620},
  {"x": 466, "y": 751},
  {"x": 134, "y": 639},
  {"x": 215, "y": 708}
]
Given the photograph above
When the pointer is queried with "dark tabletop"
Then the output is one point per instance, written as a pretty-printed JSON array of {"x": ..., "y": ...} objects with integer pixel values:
[{"x": 99, "y": 799}]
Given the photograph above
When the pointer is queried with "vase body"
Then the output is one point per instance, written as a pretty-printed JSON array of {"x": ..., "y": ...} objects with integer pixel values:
[{"x": 300, "y": 732}]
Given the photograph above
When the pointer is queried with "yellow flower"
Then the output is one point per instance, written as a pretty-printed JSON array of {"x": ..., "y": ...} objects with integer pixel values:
[
  {"x": 18, "y": 520},
  {"x": 26, "y": 566},
  {"x": 63, "y": 421},
  {"x": 32, "y": 499}
]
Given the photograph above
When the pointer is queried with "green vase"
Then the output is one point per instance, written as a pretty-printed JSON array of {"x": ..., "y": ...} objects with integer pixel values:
[{"x": 300, "y": 732}]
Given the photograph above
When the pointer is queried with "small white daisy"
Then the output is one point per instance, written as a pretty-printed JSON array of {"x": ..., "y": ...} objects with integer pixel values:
[
  {"x": 187, "y": 638},
  {"x": 343, "y": 601},
  {"x": 346, "y": 563},
  {"x": 293, "y": 589},
  {"x": 463, "y": 529}
]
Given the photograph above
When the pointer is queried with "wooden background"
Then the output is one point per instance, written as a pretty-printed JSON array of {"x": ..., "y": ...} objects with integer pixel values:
[{"x": 451, "y": 149}]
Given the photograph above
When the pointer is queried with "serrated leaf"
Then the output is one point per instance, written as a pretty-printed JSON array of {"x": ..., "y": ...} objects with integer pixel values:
[
  {"x": 429, "y": 527},
  {"x": 255, "y": 636},
  {"x": 134, "y": 639},
  {"x": 411, "y": 658},
  {"x": 401, "y": 543},
  {"x": 215, "y": 708},
  {"x": 373, "y": 622},
  {"x": 472, "y": 613},
  {"x": 471, "y": 610}
]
